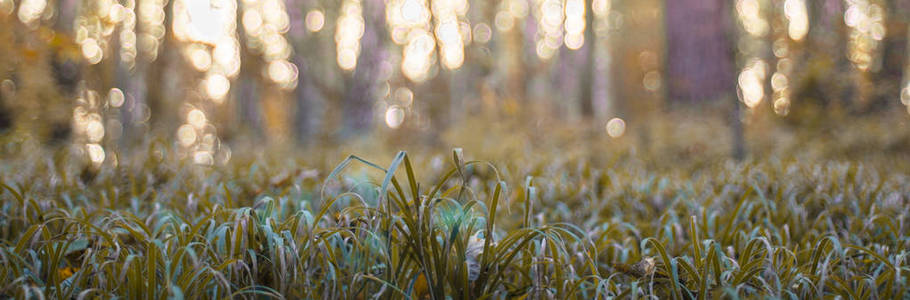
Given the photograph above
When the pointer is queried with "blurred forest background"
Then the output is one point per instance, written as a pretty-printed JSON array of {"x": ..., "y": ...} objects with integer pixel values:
[{"x": 734, "y": 77}]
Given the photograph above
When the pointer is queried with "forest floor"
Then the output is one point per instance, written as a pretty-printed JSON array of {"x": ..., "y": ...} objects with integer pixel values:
[{"x": 520, "y": 212}]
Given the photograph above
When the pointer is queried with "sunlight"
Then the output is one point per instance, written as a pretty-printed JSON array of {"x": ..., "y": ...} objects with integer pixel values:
[
  {"x": 750, "y": 82},
  {"x": 798, "y": 17},
  {"x": 31, "y": 10},
  {"x": 315, "y": 19},
  {"x": 217, "y": 87},
  {"x": 186, "y": 135},
  {"x": 749, "y": 12},
  {"x": 95, "y": 153},
  {"x": 575, "y": 24},
  {"x": 206, "y": 20},
  {"x": 7, "y": 7},
  {"x": 394, "y": 116},
  {"x": 412, "y": 12},
  {"x": 350, "y": 28},
  {"x": 616, "y": 127},
  {"x": 866, "y": 21},
  {"x": 115, "y": 97}
]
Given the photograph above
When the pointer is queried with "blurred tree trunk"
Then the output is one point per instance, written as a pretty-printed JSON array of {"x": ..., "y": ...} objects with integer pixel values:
[
  {"x": 437, "y": 94},
  {"x": 6, "y": 38},
  {"x": 766, "y": 53},
  {"x": 132, "y": 112},
  {"x": 701, "y": 45},
  {"x": 6, "y": 117},
  {"x": 66, "y": 14},
  {"x": 736, "y": 126},
  {"x": 66, "y": 72},
  {"x": 699, "y": 57},
  {"x": 587, "y": 76},
  {"x": 565, "y": 77},
  {"x": 888, "y": 79},
  {"x": 359, "y": 97},
  {"x": 123, "y": 81},
  {"x": 460, "y": 90},
  {"x": 248, "y": 99},
  {"x": 469, "y": 82},
  {"x": 162, "y": 109},
  {"x": 307, "y": 97},
  {"x": 249, "y": 108},
  {"x": 736, "y": 117},
  {"x": 512, "y": 47},
  {"x": 828, "y": 31}
]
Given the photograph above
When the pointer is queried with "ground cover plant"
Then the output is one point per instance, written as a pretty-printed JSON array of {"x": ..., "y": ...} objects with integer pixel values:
[
  {"x": 439, "y": 225},
  {"x": 454, "y": 149}
]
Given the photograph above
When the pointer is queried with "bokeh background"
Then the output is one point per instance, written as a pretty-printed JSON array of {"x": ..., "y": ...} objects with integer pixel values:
[{"x": 681, "y": 78}]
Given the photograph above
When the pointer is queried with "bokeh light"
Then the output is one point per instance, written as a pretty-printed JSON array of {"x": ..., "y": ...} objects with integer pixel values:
[
  {"x": 201, "y": 58},
  {"x": 283, "y": 73},
  {"x": 31, "y": 10},
  {"x": 866, "y": 22},
  {"x": 652, "y": 81},
  {"x": 450, "y": 36},
  {"x": 151, "y": 16},
  {"x": 403, "y": 97},
  {"x": 315, "y": 20},
  {"x": 550, "y": 17},
  {"x": 196, "y": 118},
  {"x": 204, "y": 21},
  {"x": 394, "y": 116},
  {"x": 482, "y": 33},
  {"x": 798, "y": 18},
  {"x": 7, "y": 7},
  {"x": 349, "y": 29},
  {"x": 92, "y": 51},
  {"x": 616, "y": 127},
  {"x": 750, "y": 15},
  {"x": 115, "y": 97},
  {"x": 94, "y": 130},
  {"x": 95, "y": 153},
  {"x": 575, "y": 24},
  {"x": 216, "y": 87},
  {"x": 751, "y": 82},
  {"x": 186, "y": 135},
  {"x": 418, "y": 56}
]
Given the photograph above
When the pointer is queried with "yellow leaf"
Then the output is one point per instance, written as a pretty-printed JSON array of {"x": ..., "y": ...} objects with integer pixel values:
[
  {"x": 66, "y": 272},
  {"x": 421, "y": 289}
]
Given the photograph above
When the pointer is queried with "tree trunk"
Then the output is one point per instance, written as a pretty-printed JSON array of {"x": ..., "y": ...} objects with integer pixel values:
[
  {"x": 736, "y": 126},
  {"x": 359, "y": 97},
  {"x": 701, "y": 45},
  {"x": 163, "y": 112},
  {"x": 249, "y": 97},
  {"x": 736, "y": 121},
  {"x": 888, "y": 79},
  {"x": 828, "y": 31},
  {"x": 699, "y": 61},
  {"x": 587, "y": 77},
  {"x": 307, "y": 96},
  {"x": 6, "y": 117}
]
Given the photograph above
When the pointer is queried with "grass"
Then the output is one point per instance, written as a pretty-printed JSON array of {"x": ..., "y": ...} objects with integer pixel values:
[{"x": 442, "y": 226}]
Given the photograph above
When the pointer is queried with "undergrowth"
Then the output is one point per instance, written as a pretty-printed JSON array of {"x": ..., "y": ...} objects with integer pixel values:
[{"x": 445, "y": 227}]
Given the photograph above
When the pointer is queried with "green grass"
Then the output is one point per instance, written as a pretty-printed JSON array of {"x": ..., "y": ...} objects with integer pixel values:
[{"x": 443, "y": 226}]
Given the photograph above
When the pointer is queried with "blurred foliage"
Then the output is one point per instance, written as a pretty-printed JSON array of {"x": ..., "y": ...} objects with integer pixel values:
[{"x": 108, "y": 74}]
